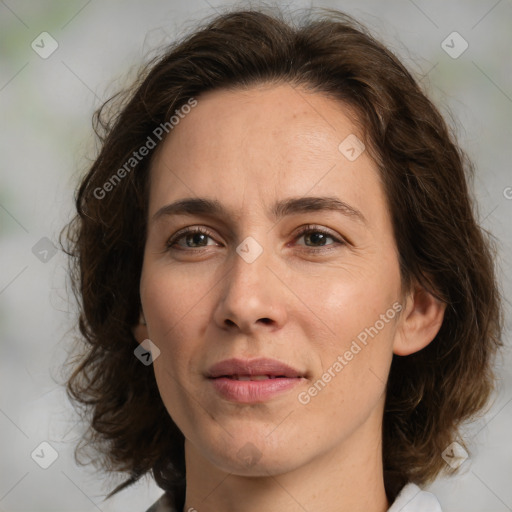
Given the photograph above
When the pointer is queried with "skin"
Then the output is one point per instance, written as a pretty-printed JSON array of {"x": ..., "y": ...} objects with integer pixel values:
[{"x": 205, "y": 303}]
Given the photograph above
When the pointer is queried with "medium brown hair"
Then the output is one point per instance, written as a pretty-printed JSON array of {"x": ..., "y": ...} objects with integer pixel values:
[{"x": 426, "y": 179}]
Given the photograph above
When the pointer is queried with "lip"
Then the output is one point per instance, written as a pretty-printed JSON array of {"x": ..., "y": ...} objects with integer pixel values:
[
  {"x": 260, "y": 366},
  {"x": 284, "y": 378}
]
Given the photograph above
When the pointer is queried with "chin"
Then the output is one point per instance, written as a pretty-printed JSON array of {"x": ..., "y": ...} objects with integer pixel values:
[
  {"x": 250, "y": 461},
  {"x": 254, "y": 455}
]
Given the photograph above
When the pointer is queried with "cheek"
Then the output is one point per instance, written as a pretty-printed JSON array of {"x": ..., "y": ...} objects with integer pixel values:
[
  {"x": 345, "y": 301},
  {"x": 170, "y": 298},
  {"x": 352, "y": 378},
  {"x": 171, "y": 308},
  {"x": 178, "y": 307},
  {"x": 353, "y": 330}
]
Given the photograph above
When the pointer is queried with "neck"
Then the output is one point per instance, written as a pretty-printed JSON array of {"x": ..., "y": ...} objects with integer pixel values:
[{"x": 347, "y": 478}]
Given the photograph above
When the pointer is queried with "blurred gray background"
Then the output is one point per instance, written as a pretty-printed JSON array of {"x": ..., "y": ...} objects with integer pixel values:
[{"x": 47, "y": 100}]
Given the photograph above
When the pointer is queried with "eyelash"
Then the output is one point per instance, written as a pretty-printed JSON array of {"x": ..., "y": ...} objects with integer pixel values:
[{"x": 302, "y": 231}]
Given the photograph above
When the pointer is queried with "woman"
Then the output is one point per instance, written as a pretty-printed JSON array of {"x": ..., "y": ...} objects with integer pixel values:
[{"x": 287, "y": 301}]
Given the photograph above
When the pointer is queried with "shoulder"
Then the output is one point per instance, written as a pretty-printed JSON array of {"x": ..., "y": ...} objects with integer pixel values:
[{"x": 413, "y": 499}]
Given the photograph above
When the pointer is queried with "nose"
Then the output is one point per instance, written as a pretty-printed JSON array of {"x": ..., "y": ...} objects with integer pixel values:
[{"x": 253, "y": 297}]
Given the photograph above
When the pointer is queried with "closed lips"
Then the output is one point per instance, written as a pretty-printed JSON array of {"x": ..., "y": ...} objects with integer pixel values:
[
  {"x": 247, "y": 381},
  {"x": 253, "y": 377},
  {"x": 254, "y": 369}
]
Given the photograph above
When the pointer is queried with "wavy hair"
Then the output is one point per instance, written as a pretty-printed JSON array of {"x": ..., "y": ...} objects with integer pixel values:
[{"x": 426, "y": 178}]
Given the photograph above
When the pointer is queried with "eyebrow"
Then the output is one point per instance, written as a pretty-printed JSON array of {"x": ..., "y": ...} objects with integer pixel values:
[{"x": 280, "y": 209}]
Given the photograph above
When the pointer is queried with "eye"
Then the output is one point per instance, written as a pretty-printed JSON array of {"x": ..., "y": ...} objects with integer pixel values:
[
  {"x": 318, "y": 236},
  {"x": 197, "y": 235},
  {"x": 198, "y": 238}
]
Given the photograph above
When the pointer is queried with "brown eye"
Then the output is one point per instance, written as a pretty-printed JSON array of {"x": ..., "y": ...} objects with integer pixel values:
[
  {"x": 318, "y": 238},
  {"x": 198, "y": 238}
]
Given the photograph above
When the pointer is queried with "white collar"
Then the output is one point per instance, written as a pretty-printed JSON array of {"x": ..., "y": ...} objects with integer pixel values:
[{"x": 412, "y": 499}]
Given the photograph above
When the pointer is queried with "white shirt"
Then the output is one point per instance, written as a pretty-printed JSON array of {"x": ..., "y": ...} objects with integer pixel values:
[{"x": 412, "y": 499}]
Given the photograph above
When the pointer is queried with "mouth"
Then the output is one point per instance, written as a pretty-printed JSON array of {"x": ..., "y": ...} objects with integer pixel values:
[
  {"x": 252, "y": 377},
  {"x": 253, "y": 369},
  {"x": 253, "y": 381}
]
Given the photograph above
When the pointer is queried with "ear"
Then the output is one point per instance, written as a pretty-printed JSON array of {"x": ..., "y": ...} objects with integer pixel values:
[
  {"x": 420, "y": 322},
  {"x": 140, "y": 331}
]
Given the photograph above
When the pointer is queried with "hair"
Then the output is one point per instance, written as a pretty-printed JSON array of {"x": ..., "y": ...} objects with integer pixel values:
[{"x": 426, "y": 177}]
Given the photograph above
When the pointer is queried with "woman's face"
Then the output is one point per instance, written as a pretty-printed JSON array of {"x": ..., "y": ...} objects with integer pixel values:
[{"x": 250, "y": 285}]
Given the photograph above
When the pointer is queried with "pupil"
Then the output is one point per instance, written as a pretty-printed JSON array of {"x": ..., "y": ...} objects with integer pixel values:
[
  {"x": 319, "y": 239},
  {"x": 195, "y": 235}
]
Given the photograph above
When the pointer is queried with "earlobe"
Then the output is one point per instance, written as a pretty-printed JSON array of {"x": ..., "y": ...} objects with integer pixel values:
[
  {"x": 420, "y": 322},
  {"x": 140, "y": 331}
]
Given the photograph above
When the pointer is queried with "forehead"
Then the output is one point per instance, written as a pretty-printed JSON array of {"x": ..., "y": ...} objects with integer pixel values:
[
  {"x": 261, "y": 144},
  {"x": 261, "y": 120}
]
